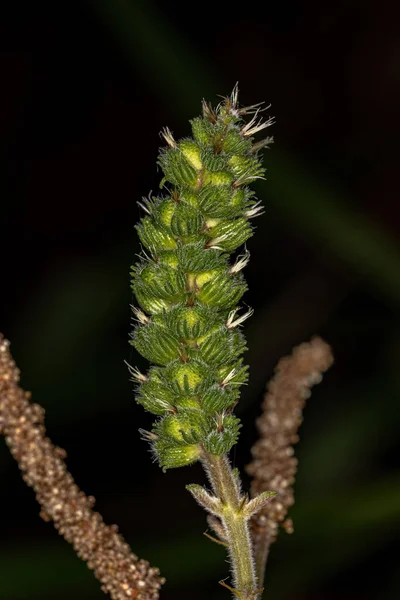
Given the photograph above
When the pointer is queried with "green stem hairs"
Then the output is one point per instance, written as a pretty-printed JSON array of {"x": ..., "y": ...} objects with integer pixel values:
[{"x": 188, "y": 323}]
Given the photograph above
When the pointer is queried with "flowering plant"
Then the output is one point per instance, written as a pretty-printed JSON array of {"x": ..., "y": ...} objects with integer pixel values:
[{"x": 188, "y": 325}]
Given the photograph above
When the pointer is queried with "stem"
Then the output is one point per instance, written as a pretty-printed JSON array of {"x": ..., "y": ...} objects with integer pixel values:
[
  {"x": 261, "y": 557},
  {"x": 226, "y": 487}
]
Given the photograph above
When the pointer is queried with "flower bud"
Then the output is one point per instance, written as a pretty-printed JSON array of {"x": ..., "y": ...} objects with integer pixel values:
[
  {"x": 149, "y": 302},
  {"x": 179, "y": 428},
  {"x": 195, "y": 258},
  {"x": 165, "y": 212},
  {"x": 221, "y": 439},
  {"x": 156, "y": 343},
  {"x": 245, "y": 166},
  {"x": 186, "y": 220},
  {"x": 158, "y": 280},
  {"x": 190, "y": 322},
  {"x": 234, "y": 142},
  {"x": 222, "y": 201},
  {"x": 221, "y": 346},
  {"x": 222, "y": 292},
  {"x": 214, "y": 162},
  {"x": 153, "y": 236},
  {"x": 155, "y": 398},
  {"x": 202, "y": 132},
  {"x": 177, "y": 168},
  {"x": 217, "y": 399},
  {"x": 230, "y": 234},
  {"x": 171, "y": 457},
  {"x": 186, "y": 378}
]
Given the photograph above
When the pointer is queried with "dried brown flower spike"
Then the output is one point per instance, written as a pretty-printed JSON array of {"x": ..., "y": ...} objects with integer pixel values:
[
  {"x": 120, "y": 572},
  {"x": 274, "y": 466}
]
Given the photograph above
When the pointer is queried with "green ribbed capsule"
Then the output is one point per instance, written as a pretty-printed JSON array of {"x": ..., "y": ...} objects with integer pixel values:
[
  {"x": 194, "y": 258},
  {"x": 220, "y": 346},
  {"x": 188, "y": 285},
  {"x": 156, "y": 343},
  {"x": 155, "y": 398},
  {"x": 186, "y": 220},
  {"x": 159, "y": 280},
  {"x": 248, "y": 167},
  {"x": 221, "y": 290},
  {"x": 214, "y": 162},
  {"x": 181, "y": 218},
  {"x": 187, "y": 195},
  {"x": 217, "y": 399},
  {"x": 186, "y": 377},
  {"x": 229, "y": 234},
  {"x": 171, "y": 457},
  {"x": 221, "y": 439},
  {"x": 149, "y": 302},
  {"x": 177, "y": 168},
  {"x": 190, "y": 323},
  {"x": 203, "y": 131},
  {"x": 223, "y": 201},
  {"x": 155, "y": 237},
  {"x": 165, "y": 212},
  {"x": 182, "y": 428},
  {"x": 235, "y": 143}
]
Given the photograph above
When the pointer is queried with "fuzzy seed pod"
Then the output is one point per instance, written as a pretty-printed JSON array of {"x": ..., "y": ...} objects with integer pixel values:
[{"x": 188, "y": 287}]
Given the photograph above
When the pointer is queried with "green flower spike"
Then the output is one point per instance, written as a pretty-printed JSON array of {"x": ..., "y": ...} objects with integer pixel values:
[{"x": 188, "y": 323}]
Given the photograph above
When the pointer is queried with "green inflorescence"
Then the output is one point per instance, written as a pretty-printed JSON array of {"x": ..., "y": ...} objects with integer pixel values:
[{"x": 188, "y": 323}]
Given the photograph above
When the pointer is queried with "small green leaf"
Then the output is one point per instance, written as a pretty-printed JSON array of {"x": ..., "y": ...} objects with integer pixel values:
[
  {"x": 212, "y": 504},
  {"x": 254, "y": 505}
]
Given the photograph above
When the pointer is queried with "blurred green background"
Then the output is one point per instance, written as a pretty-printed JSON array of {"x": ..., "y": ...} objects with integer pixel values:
[{"x": 86, "y": 87}]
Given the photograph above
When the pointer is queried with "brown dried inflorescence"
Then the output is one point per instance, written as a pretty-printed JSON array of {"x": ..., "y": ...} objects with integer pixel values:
[
  {"x": 120, "y": 572},
  {"x": 274, "y": 466}
]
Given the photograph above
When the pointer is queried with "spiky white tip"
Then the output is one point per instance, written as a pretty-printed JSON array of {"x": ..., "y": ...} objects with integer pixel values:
[
  {"x": 244, "y": 110},
  {"x": 148, "y": 436},
  {"x": 137, "y": 376},
  {"x": 140, "y": 316},
  {"x": 252, "y": 127},
  {"x": 208, "y": 111},
  {"x": 241, "y": 262},
  {"x": 265, "y": 143},
  {"x": 247, "y": 176},
  {"x": 234, "y": 96},
  {"x": 253, "y": 109},
  {"x": 144, "y": 207},
  {"x": 232, "y": 322},
  {"x": 214, "y": 243},
  {"x": 254, "y": 211},
  {"x": 168, "y": 137},
  {"x": 228, "y": 377},
  {"x": 147, "y": 204}
]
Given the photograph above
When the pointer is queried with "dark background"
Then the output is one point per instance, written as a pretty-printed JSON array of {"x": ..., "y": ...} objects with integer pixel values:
[{"x": 85, "y": 88}]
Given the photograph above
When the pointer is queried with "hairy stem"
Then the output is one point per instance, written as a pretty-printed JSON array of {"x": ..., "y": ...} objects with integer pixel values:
[
  {"x": 261, "y": 561},
  {"x": 226, "y": 487},
  {"x": 274, "y": 465}
]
